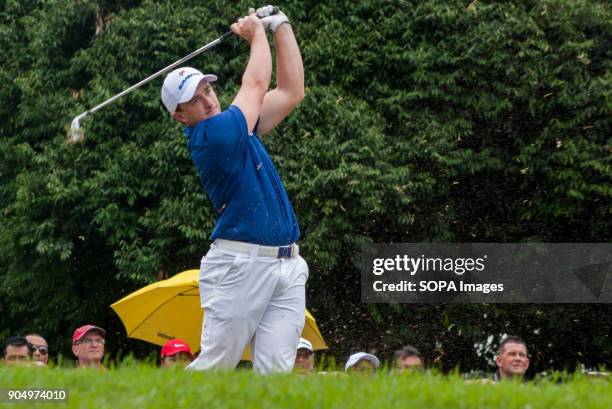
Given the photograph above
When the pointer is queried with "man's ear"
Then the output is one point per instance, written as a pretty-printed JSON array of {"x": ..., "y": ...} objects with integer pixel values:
[
  {"x": 179, "y": 116},
  {"x": 497, "y": 360},
  {"x": 74, "y": 350}
]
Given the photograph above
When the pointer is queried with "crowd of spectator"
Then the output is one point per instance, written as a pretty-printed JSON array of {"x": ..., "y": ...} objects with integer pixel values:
[{"x": 88, "y": 341}]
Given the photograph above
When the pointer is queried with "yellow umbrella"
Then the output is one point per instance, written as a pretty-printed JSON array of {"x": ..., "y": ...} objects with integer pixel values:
[{"x": 171, "y": 309}]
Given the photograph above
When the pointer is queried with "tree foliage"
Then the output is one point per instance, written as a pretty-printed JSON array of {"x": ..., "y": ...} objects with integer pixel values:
[{"x": 423, "y": 121}]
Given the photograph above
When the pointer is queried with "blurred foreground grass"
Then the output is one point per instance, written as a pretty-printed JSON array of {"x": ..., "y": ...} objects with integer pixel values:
[{"x": 143, "y": 386}]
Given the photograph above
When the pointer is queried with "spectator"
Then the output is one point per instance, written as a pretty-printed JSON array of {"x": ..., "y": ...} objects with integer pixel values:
[
  {"x": 17, "y": 351},
  {"x": 304, "y": 358},
  {"x": 40, "y": 346},
  {"x": 512, "y": 360},
  {"x": 362, "y": 363},
  {"x": 88, "y": 346},
  {"x": 408, "y": 359},
  {"x": 176, "y": 352}
]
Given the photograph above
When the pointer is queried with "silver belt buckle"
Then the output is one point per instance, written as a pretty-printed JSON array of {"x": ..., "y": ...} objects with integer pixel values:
[{"x": 285, "y": 252}]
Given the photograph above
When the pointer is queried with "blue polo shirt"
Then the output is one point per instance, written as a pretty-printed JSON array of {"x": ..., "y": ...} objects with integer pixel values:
[{"x": 240, "y": 179}]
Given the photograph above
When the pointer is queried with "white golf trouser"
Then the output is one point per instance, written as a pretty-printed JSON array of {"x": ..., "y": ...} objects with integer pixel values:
[{"x": 248, "y": 297}]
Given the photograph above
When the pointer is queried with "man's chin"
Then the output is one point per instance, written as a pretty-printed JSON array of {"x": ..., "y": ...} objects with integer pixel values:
[{"x": 212, "y": 113}]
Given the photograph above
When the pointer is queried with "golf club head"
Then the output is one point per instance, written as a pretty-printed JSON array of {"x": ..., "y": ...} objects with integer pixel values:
[{"x": 76, "y": 133}]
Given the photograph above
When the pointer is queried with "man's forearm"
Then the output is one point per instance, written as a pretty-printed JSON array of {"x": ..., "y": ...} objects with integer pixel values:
[
  {"x": 289, "y": 66},
  {"x": 258, "y": 71}
]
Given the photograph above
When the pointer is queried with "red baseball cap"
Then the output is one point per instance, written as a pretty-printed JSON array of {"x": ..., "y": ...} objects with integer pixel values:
[
  {"x": 81, "y": 331},
  {"x": 174, "y": 346}
]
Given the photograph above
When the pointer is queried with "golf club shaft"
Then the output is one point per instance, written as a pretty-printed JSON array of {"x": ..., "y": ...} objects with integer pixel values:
[
  {"x": 158, "y": 73},
  {"x": 76, "y": 134}
]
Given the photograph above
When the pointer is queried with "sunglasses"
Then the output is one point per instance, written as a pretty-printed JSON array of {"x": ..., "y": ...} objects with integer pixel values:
[{"x": 43, "y": 350}]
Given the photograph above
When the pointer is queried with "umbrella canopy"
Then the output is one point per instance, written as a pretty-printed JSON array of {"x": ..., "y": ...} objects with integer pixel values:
[{"x": 171, "y": 309}]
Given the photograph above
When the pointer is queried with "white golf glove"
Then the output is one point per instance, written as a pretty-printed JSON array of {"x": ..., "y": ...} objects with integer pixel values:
[{"x": 270, "y": 21}]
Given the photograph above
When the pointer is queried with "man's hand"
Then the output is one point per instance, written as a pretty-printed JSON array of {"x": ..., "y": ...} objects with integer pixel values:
[
  {"x": 271, "y": 17},
  {"x": 247, "y": 27}
]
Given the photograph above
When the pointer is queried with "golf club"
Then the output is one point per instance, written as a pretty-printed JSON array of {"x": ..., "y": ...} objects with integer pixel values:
[{"x": 76, "y": 133}]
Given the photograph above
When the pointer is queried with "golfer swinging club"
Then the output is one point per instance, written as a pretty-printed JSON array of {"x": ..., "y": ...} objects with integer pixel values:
[{"x": 252, "y": 280}]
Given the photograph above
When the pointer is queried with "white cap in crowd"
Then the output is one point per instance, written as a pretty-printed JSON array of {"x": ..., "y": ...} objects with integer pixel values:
[
  {"x": 353, "y": 359},
  {"x": 304, "y": 344}
]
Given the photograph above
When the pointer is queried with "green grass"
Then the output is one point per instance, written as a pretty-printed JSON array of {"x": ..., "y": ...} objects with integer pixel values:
[{"x": 149, "y": 387}]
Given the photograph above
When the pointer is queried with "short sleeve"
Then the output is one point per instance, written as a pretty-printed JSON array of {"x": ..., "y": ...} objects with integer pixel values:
[
  {"x": 220, "y": 140},
  {"x": 228, "y": 130}
]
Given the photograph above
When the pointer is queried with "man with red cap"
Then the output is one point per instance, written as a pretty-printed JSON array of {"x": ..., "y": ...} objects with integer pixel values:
[
  {"x": 88, "y": 346},
  {"x": 176, "y": 352}
]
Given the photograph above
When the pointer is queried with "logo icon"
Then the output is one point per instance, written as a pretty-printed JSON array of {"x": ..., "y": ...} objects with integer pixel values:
[{"x": 185, "y": 80}]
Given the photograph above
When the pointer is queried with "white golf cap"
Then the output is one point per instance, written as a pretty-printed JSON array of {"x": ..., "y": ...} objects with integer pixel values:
[
  {"x": 180, "y": 85},
  {"x": 353, "y": 359},
  {"x": 304, "y": 344}
]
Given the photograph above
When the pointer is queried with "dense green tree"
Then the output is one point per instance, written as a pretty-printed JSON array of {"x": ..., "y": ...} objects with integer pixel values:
[{"x": 423, "y": 121}]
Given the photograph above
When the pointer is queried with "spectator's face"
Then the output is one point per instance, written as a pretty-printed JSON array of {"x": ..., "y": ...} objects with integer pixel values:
[
  {"x": 180, "y": 359},
  {"x": 17, "y": 355},
  {"x": 513, "y": 360},
  {"x": 409, "y": 363},
  {"x": 41, "y": 348},
  {"x": 304, "y": 361},
  {"x": 203, "y": 105},
  {"x": 90, "y": 348},
  {"x": 363, "y": 366}
]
